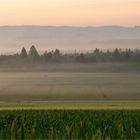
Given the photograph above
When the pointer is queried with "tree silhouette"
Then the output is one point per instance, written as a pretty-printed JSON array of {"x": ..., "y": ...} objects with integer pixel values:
[
  {"x": 116, "y": 54},
  {"x": 23, "y": 53},
  {"x": 47, "y": 56},
  {"x": 56, "y": 56},
  {"x": 33, "y": 54}
]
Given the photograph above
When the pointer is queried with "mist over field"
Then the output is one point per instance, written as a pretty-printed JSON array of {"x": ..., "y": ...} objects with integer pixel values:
[
  {"x": 69, "y": 69},
  {"x": 67, "y": 39}
]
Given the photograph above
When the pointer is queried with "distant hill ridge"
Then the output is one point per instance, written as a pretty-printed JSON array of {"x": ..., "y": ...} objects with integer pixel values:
[{"x": 68, "y": 38}]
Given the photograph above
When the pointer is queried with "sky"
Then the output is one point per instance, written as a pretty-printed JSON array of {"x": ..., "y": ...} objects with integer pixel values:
[{"x": 70, "y": 12}]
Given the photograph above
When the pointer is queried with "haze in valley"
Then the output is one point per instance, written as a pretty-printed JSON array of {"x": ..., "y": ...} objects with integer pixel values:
[
  {"x": 68, "y": 38},
  {"x": 69, "y": 25}
]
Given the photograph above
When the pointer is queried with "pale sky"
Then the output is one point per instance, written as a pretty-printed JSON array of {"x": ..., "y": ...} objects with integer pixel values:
[{"x": 70, "y": 12}]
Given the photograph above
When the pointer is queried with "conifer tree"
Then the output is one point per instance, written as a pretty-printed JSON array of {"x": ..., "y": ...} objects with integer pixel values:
[
  {"x": 23, "y": 53},
  {"x": 33, "y": 54}
]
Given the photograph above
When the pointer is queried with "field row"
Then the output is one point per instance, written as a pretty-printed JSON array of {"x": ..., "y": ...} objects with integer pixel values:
[{"x": 70, "y": 105}]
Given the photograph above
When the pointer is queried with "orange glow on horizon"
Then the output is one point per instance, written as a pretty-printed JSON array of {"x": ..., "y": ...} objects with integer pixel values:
[{"x": 70, "y": 12}]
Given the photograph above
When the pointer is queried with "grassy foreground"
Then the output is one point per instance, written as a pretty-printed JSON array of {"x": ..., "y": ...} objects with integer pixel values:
[
  {"x": 70, "y": 105},
  {"x": 70, "y": 124}
]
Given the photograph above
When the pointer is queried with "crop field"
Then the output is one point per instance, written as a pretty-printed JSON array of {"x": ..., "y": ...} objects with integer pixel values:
[
  {"x": 63, "y": 86},
  {"x": 66, "y": 105},
  {"x": 70, "y": 105},
  {"x": 70, "y": 124}
]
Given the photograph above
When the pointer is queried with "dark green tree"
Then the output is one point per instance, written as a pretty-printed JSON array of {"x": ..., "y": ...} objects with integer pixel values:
[
  {"x": 128, "y": 55},
  {"x": 33, "y": 54},
  {"x": 96, "y": 51},
  {"x": 56, "y": 56},
  {"x": 80, "y": 58},
  {"x": 47, "y": 56},
  {"x": 116, "y": 55},
  {"x": 23, "y": 53},
  {"x": 96, "y": 55}
]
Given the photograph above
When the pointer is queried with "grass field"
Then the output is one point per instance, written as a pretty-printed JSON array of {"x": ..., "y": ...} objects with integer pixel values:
[
  {"x": 72, "y": 105},
  {"x": 41, "y": 86}
]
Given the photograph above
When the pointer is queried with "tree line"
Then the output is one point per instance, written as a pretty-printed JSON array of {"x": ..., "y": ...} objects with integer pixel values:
[{"x": 97, "y": 55}]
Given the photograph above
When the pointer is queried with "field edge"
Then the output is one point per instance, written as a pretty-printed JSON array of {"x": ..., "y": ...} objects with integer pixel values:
[{"x": 5, "y": 105}]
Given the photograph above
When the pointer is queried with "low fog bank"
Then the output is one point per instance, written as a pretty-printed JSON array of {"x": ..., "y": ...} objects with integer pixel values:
[
  {"x": 73, "y": 67},
  {"x": 68, "y": 39}
]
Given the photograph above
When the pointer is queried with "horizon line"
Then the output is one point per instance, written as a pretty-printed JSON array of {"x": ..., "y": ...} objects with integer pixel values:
[{"x": 76, "y": 26}]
